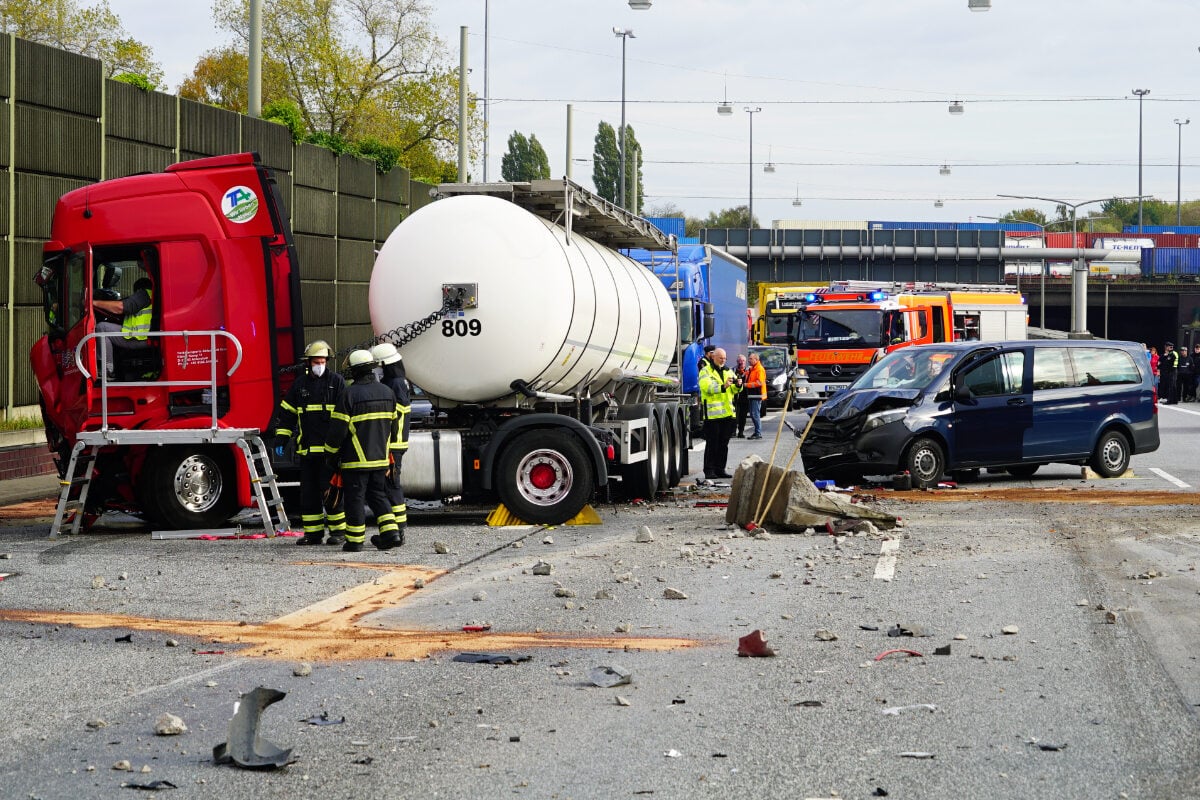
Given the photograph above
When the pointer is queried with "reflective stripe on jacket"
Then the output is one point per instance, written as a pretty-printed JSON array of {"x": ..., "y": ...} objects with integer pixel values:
[
  {"x": 394, "y": 380},
  {"x": 716, "y": 398},
  {"x": 363, "y": 425}
]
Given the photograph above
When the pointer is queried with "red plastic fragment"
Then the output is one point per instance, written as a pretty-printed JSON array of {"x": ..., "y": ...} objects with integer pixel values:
[
  {"x": 754, "y": 645},
  {"x": 476, "y": 628},
  {"x": 209, "y": 652},
  {"x": 887, "y": 653}
]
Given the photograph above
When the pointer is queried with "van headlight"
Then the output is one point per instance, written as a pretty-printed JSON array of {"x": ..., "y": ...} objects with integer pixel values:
[
  {"x": 883, "y": 418},
  {"x": 779, "y": 381}
]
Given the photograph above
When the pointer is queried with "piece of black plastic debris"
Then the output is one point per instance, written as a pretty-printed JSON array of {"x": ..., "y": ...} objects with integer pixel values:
[
  {"x": 942, "y": 651},
  {"x": 324, "y": 719},
  {"x": 678, "y": 701},
  {"x": 879, "y": 792},
  {"x": 809, "y": 704},
  {"x": 1050, "y": 746},
  {"x": 901, "y": 629},
  {"x": 491, "y": 658},
  {"x": 869, "y": 627},
  {"x": 719, "y": 755},
  {"x": 514, "y": 738},
  {"x": 245, "y": 748},
  {"x": 153, "y": 786},
  {"x": 364, "y": 760},
  {"x": 127, "y": 638}
]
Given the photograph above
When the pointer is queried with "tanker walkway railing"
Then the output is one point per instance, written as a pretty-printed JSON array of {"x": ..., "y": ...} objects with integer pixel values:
[{"x": 88, "y": 443}]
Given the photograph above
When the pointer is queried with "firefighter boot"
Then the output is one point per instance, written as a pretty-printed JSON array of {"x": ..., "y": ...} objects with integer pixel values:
[
  {"x": 386, "y": 541},
  {"x": 311, "y": 538}
]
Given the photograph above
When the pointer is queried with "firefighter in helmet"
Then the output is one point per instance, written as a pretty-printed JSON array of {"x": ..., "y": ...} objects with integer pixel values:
[
  {"x": 361, "y": 428},
  {"x": 303, "y": 416},
  {"x": 392, "y": 376}
]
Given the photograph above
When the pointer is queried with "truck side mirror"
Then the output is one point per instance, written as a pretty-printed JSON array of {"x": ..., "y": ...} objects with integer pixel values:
[{"x": 710, "y": 320}]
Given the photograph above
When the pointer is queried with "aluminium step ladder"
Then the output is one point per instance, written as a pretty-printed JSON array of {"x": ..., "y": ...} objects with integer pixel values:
[{"x": 256, "y": 456}]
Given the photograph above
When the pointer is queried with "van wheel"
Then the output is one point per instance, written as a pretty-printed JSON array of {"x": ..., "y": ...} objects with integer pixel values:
[
  {"x": 925, "y": 462},
  {"x": 1110, "y": 459},
  {"x": 1023, "y": 471},
  {"x": 545, "y": 477},
  {"x": 190, "y": 487}
]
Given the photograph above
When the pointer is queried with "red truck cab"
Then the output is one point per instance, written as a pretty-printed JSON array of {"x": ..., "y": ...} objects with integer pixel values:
[{"x": 212, "y": 237}]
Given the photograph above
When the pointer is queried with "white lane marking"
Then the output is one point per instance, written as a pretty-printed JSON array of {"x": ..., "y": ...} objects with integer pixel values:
[
  {"x": 1176, "y": 407},
  {"x": 1169, "y": 478},
  {"x": 886, "y": 568}
]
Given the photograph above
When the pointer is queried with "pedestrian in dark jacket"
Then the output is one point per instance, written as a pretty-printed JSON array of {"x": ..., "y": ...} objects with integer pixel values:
[
  {"x": 1185, "y": 376},
  {"x": 303, "y": 417},
  {"x": 1168, "y": 366},
  {"x": 393, "y": 377},
  {"x": 361, "y": 429}
]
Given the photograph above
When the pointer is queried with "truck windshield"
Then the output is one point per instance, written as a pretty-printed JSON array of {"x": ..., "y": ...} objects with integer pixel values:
[
  {"x": 777, "y": 326},
  {"x": 834, "y": 328}
]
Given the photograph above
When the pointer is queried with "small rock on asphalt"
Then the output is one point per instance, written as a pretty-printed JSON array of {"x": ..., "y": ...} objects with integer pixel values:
[
  {"x": 479, "y": 596},
  {"x": 169, "y": 725},
  {"x": 561, "y": 592},
  {"x": 826, "y": 635},
  {"x": 674, "y": 594},
  {"x": 1010, "y": 630},
  {"x": 1110, "y": 617},
  {"x": 419, "y": 583},
  {"x": 542, "y": 568},
  {"x": 96, "y": 724},
  {"x": 603, "y": 594},
  {"x": 123, "y": 765},
  {"x": 172, "y": 643},
  {"x": 441, "y": 548},
  {"x": 98, "y": 582},
  {"x": 644, "y": 535},
  {"x": 302, "y": 670}
]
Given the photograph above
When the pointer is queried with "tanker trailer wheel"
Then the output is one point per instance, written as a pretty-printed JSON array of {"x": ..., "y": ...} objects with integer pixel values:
[
  {"x": 683, "y": 442},
  {"x": 670, "y": 448},
  {"x": 190, "y": 486},
  {"x": 641, "y": 479},
  {"x": 545, "y": 477}
]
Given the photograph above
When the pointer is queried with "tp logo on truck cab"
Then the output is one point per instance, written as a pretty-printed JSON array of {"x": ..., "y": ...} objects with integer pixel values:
[{"x": 239, "y": 204}]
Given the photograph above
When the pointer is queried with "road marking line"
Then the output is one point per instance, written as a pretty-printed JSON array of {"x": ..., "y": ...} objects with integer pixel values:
[
  {"x": 886, "y": 568},
  {"x": 1175, "y": 407},
  {"x": 1169, "y": 478}
]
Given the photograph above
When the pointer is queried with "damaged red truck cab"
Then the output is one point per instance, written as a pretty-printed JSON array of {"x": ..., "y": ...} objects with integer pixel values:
[{"x": 212, "y": 237}]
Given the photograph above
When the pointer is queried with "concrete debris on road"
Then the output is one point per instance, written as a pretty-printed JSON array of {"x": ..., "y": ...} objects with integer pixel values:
[
  {"x": 1010, "y": 630},
  {"x": 302, "y": 670},
  {"x": 441, "y": 548},
  {"x": 644, "y": 536},
  {"x": 607, "y": 677},
  {"x": 244, "y": 747},
  {"x": 169, "y": 725},
  {"x": 826, "y": 635},
  {"x": 542, "y": 568},
  {"x": 896, "y": 711},
  {"x": 797, "y": 506},
  {"x": 754, "y": 645},
  {"x": 674, "y": 594}
]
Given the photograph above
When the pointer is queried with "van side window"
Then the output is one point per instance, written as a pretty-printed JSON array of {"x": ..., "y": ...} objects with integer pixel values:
[
  {"x": 996, "y": 376},
  {"x": 1051, "y": 368},
  {"x": 1102, "y": 366}
]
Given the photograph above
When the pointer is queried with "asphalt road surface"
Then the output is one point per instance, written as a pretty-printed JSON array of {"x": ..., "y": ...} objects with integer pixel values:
[{"x": 1094, "y": 695}]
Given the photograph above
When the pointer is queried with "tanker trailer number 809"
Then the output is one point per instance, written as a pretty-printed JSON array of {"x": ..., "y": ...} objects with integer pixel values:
[{"x": 461, "y": 327}]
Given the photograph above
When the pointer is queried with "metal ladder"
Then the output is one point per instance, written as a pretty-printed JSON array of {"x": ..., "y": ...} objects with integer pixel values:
[
  {"x": 70, "y": 480},
  {"x": 262, "y": 481},
  {"x": 83, "y": 461}
]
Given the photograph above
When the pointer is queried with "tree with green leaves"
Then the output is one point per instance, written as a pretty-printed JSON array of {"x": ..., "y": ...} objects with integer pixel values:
[
  {"x": 736, "y": 217},
  {"x": 525, "y": 159},
  {"x": 606, "y": 166},
  {"x": 355, "y": 70},
  {"x": 94, "y": 31}
]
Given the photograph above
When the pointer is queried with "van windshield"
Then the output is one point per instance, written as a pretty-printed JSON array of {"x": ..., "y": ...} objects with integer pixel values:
[{"x": 906, "y": 368}]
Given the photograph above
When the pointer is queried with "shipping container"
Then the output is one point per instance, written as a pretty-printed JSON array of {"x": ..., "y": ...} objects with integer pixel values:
[
  {"x": 910, "y": 226},
  {"x": 671, "y": 226},
  {"x": 819, "y": 224},
  {"x": 997, "y": 226},
  {"x": 1170, "y": 261},
  {"x": 1192, "y": 229},
  {"x": 1064, "y": 240}
]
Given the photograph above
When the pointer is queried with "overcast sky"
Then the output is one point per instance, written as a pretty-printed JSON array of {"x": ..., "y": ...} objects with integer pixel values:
[{"x": 854, "y": 96}]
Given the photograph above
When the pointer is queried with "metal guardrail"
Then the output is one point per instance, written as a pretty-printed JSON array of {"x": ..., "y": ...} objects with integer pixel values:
[{"x": 210, "y": 384}]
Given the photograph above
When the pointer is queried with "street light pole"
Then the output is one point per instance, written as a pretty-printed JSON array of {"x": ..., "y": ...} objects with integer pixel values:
[
  {"x": 1179, "y": 174},
  {"x": 625, "y": 34},
  {"x": 1141, "y": 93},
  {"x": 1079, "y": 268},
  {"x": 750, "y": 219}
]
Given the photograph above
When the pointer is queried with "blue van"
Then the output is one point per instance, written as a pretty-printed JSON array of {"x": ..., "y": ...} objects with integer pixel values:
[{"x": 948, "y": 408}]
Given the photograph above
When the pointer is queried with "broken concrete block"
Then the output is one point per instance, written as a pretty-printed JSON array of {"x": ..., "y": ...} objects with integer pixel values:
[
  {"x": 797, "y": 504},
  {"x": 169, "y": 725},
  {"x": 542, "y": 568},
  {"x": 644, "y": 536},
  {"x": 674, "y": 594}
]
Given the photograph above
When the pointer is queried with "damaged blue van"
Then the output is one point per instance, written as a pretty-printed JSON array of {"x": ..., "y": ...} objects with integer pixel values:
[{"x": 946, "y": 408}]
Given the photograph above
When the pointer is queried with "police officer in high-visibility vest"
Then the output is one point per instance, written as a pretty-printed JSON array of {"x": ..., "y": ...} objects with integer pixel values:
[
  {"x": 392, "y": 375},
  {"x": 137, "y": 314},
  {"x": 303, "y": 416},
  {"x": 718, "y": 386},
  {"x": 360, "y": 430}
]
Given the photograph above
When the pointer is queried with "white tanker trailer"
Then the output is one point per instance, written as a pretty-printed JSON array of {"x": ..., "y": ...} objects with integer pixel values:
[{"x": 548, "y": 365}]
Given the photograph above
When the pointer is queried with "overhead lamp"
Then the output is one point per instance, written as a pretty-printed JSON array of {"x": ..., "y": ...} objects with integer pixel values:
[
  {"x": 974, "y": 5},
  {"x": 644, "y": 5},
  {"x": 956, "y": 107},
  {"x": 938, "y": 204},
  {"x": 797, "y": 202},
  {"x": 769, "y": 166},
  {"x": 944, "y": 170}
]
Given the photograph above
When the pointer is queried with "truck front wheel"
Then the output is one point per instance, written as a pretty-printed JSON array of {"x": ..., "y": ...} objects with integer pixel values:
[
  {"x": 545, "y": 477},
  {"x": 190, "y": 487}
]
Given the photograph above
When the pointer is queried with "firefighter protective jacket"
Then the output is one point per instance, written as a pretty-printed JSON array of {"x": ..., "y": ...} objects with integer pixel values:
[
  {"x": 363, "y": 425},
  {"x": 305, "y": 409},
  {"x": 394, "y": 379}
]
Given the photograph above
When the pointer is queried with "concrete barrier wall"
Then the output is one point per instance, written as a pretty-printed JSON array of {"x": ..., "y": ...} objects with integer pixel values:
[{"x": 63, "y": 126}]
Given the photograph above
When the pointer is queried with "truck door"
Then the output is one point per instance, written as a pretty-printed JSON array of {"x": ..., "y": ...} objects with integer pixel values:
[{"x": 75, "y": 320}]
